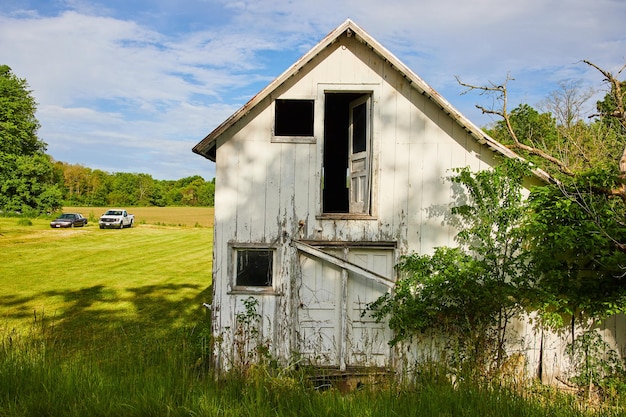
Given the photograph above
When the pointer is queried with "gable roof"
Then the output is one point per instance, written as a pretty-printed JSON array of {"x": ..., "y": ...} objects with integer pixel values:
[{"x": 207, "y": 146}]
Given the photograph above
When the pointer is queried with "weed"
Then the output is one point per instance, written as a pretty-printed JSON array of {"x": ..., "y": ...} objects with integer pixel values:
[
  {"x": 92, "y": 218},
  {"x": 23, "y": 221},
  {"x": 596, "y": 367}
]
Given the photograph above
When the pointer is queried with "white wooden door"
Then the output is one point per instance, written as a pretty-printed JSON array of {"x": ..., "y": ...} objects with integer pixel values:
[
  {"x": 359, "y": 151},
  {"x": 367, "y": 340},
  {"x": 331, "y": 331},
  {"x": 319, "y": 327}
]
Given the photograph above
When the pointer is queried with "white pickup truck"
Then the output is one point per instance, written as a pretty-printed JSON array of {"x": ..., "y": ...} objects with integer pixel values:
[{"x": 116, "y": 219}]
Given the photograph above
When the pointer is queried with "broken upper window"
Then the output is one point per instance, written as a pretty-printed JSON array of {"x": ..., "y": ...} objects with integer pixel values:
[
  {"x": 347, "y": 153},
  {"x": 294, "y": 118},
  {"x": 254, "y": 267}
]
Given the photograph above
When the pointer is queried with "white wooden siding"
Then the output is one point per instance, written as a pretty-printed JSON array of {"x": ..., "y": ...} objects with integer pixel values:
[{"x": 270, "y": 193}]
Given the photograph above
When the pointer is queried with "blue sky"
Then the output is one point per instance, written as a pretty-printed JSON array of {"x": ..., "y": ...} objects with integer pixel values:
[{"x": 133, "y": 85}]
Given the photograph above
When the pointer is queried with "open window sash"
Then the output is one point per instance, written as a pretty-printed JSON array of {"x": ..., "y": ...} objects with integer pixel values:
[{"x": 359, "y": 155}]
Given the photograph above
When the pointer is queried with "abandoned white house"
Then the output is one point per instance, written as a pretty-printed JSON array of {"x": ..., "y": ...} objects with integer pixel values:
[{"x": 323, "y": 180}]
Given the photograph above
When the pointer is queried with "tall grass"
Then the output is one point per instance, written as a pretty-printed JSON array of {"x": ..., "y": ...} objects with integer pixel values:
[
  {"x": 40, "y": 375},
  {"x": 125, "y": 375}
]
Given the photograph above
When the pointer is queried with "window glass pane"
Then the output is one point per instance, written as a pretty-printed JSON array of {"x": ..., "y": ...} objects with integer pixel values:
[
  {"x": 359, "y": 126},
  {"x": 293, "y": 118},
  {"x": 254, "y": 267}
]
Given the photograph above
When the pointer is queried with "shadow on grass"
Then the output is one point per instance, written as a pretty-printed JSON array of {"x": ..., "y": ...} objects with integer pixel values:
[{"x": 97, "y": 313}]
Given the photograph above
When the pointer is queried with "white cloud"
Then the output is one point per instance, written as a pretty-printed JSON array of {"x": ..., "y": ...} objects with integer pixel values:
[{"x": 106, "y": 141}]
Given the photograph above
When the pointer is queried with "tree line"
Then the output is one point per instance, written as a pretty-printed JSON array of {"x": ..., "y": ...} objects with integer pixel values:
[
  {"x": 31, "y": 182},
  {"x": 83, "y": 186}
]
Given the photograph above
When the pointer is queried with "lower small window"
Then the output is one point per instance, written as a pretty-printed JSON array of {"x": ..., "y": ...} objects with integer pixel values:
[{"x": 254, "y": 267}]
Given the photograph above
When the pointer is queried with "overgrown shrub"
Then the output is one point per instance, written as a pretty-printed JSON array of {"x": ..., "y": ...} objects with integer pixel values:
[{"x": 468, "y": 295}]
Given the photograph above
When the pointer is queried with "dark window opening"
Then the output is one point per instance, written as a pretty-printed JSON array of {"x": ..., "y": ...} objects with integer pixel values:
[
  {"x": 294, "y": 118},
  {"x": 254, "y": 267},
  {"x": 342, "y": 119}
]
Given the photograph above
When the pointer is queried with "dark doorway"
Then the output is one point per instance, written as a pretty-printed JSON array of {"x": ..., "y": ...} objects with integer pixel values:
[{"x": 339, "y": 149}]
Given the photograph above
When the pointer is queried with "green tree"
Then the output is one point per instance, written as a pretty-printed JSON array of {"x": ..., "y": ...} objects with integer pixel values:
[
  {"x": 18, "y": 124},
  {"x": 470, "y": 293},
  {"x": 173, "y": 196},
  {"x": 26, "y": 184},
  {"x": 80, "y": 185},
  {"x": 27, "y": 175},
  {"x": 525, "y": 121},
  {"x": 76, "y": 182},
  {"x": 189, "y": 191},
  {"x": 206, "y": 194},
  {"x": 124, "y": 189},
  {"x": 99, "y": 187},
  {"x": 146, "y": 189},
  {"x": 574, "y": 238}
]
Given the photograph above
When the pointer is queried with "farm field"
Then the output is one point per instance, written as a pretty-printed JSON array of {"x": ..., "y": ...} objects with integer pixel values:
[
  {"x": 173, "y": 216},
  {"x": 110, "y": 322}
]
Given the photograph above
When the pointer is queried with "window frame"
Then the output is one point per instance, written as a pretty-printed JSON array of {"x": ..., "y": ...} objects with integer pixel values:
[
  {"x": 373, "y": 90},
  {"x": 234, "y": 249},
  {"x": 306, "y": 139}
]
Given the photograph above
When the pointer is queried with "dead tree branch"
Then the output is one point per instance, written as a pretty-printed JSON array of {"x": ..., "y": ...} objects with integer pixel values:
[
  {"x": 619, "y": 113},
  {"x": 501, "y": 95}
]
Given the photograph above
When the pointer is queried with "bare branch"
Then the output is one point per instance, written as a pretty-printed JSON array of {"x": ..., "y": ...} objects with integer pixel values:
[
  {"x": 616, "y": 92},
  {"x": 502, "y": 96},
  {"x": 619, "y": 113}
]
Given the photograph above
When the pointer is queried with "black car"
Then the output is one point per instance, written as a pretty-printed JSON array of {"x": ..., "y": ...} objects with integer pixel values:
[{"x": 69, "y": 220}]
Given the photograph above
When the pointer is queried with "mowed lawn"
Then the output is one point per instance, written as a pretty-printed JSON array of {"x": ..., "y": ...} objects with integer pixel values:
[{"x": 85, "y": 281}]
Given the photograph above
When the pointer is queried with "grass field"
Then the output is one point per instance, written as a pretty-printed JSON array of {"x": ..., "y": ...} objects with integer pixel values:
[
  {"x": 84, "y": 278},
  {"x": 111, "y": 323}
]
